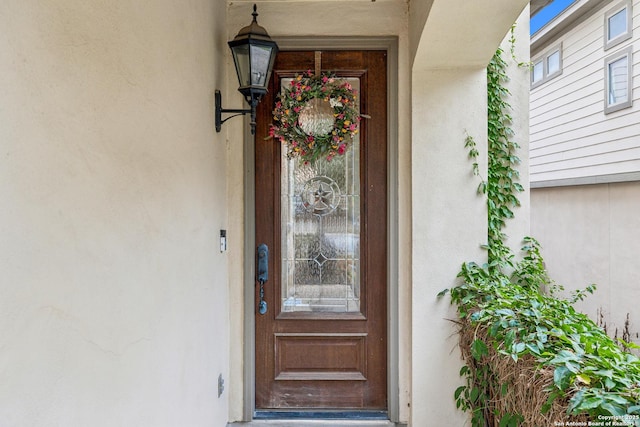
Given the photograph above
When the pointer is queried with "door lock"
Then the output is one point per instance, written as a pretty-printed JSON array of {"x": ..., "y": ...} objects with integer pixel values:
[{"x": 263, "y": 275}]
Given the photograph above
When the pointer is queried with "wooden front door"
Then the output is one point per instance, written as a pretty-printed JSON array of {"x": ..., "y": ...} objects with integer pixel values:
[{"x": 322, "y": 343}]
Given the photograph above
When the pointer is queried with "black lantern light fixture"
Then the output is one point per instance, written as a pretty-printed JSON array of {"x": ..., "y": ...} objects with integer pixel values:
[{"x": 253, "y": 54}]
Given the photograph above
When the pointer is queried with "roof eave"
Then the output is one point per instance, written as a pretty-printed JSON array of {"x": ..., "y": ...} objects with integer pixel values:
[
  {"x": 537, "y": 5},
  {"x": 571, "y": 16}
]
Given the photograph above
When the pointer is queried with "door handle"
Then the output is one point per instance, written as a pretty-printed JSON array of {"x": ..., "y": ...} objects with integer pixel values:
[{"x": 262, "y": 275}]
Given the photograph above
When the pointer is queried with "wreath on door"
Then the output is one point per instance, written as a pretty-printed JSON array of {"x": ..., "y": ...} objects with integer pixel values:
[{"x": 316, "y": 116}]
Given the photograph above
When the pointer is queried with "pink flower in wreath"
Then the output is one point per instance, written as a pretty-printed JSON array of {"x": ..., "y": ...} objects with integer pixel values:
[{"x": 342, "y": 148}]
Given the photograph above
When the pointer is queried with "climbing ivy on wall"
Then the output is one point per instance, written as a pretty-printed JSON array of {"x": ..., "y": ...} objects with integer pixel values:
[
  {"x": 510, "y": 316},
  {"x": 501, "y": 186}
]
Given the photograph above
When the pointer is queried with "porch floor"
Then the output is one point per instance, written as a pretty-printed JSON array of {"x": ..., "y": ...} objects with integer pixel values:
[{"x": 315, "y": 423}]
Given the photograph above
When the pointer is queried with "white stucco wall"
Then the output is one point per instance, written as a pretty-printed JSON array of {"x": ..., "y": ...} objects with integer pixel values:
[
  {"x": 449, "y": 224},
  {"x": 418, "y": 14},
  {"x": 113, "y": 187}
]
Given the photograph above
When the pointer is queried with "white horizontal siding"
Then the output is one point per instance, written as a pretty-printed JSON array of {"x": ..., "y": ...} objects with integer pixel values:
[
  {"x": 620, "y": 129},
  {"x": 578, "y": 150},
  {"x": 614, "y": 169},
  {"x": 570, "y": 136},
  {"x": 621, "y": 155}
]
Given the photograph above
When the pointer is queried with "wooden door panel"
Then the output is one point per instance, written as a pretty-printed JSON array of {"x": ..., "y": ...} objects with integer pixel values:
[
  {"x": 326, "y": 360},
  {"x": 336, "y": 357}
]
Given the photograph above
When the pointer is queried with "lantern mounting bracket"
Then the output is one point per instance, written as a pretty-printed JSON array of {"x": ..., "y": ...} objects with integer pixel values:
[{"x": 235, "y": 112}]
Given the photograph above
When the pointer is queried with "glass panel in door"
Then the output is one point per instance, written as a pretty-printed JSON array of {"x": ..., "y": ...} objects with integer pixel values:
[{"x": 321, "y": 231}]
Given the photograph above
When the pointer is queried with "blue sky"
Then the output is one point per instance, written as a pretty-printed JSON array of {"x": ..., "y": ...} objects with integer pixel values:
[{"x": 548, "y": 13}]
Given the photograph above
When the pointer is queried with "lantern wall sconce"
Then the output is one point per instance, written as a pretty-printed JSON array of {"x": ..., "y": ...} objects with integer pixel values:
[{"x": 253, "y": 55}]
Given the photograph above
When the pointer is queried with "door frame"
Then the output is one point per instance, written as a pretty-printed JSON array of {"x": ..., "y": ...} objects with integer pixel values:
[{"x": 390, "y": 45}]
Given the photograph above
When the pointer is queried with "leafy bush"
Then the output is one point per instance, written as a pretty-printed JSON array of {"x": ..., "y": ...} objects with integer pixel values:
[{"x": 589, "y": 369}]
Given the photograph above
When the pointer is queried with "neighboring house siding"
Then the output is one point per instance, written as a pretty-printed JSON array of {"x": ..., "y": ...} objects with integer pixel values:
[
  {"x": 572, "y": 139},
  {"x": 589, "y": 233}
]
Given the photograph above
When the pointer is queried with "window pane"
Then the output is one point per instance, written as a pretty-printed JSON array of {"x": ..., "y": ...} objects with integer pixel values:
[
  {"x": 553, "y": 62},
  {"x": 537, "y": 72},
  {"x": 617, "y": 24},
  {"x": 618, "y": 81}
]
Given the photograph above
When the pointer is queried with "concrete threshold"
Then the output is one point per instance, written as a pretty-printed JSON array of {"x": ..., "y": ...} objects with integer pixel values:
[{"x": 316, "y": 423}]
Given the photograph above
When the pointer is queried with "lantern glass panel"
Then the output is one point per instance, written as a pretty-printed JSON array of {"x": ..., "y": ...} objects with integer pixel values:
[
  {"x": 260, "y": 61},
  {"x": 243, "y": 64}
]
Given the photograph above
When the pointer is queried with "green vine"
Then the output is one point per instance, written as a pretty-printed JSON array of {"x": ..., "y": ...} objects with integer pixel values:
[{"x": 504, "y": 305}]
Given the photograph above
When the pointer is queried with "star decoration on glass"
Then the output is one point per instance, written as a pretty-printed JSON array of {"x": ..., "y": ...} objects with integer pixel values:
[{"x": 320, "y": 195}]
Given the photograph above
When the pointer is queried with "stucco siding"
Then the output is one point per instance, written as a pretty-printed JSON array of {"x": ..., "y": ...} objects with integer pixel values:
[
  {"x": 113, "y": 188},
  {"x": 591, "y": 234},
  {"x": 571, "y": 136}
]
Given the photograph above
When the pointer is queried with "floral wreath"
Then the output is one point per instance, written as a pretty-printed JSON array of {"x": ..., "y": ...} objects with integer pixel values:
[{"x": 316, "y": 116}]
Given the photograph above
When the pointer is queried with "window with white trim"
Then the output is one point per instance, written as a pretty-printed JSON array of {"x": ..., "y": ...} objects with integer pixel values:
[
  {"x": 546, "y": 66},
  {"x": 618, "y": 81},
  {"x": 618, "y": 25}
]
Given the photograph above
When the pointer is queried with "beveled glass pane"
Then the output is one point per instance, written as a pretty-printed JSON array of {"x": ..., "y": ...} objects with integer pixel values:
[{"x": 321, "y": 231}]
